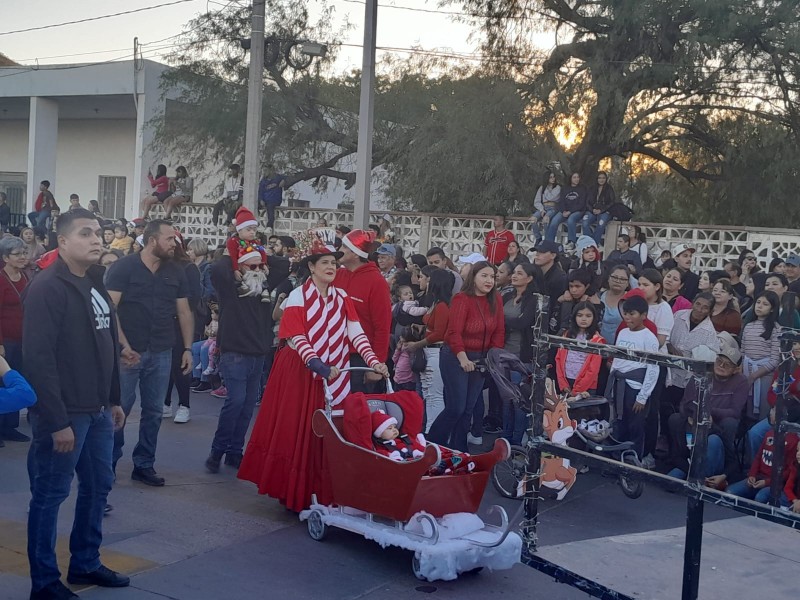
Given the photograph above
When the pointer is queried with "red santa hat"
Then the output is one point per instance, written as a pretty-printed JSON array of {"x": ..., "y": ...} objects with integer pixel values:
[
  {"x": 360, "y": 241},
  {"x": 245, "y": 218},
  {"x": 381, "y": 422},
  {"x": 249, "y": 253}
]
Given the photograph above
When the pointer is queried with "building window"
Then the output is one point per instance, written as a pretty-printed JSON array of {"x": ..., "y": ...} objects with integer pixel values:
[
  {"x": 13, "y": 184},
  {"x": 111, "y": 196}
]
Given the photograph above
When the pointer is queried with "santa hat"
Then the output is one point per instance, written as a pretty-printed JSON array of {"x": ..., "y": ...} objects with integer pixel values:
[
  {"x": 179, "y": 237},
  {"x": 249, "y": 252},
  {"x": 245, "y": 218},
  {"x": 381, "y": 422},
  {"x": 360, "y": 241}
]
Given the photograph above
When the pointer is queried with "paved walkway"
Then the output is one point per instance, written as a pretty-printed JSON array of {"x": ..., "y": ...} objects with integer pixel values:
[{"x": 209, "y": 536}]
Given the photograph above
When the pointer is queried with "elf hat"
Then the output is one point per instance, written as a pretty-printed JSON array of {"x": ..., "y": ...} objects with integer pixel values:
[
  {"x": 245, "y": 218},
  {"x": 381, "y": 422},
  {"x": 249, "y": 254},
  {"x": 360, "y": 241}
]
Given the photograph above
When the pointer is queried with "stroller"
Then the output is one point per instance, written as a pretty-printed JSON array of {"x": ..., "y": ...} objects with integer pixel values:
[
  {"x": 507, "y": 476},
  {"x": 400, "y": 503}
]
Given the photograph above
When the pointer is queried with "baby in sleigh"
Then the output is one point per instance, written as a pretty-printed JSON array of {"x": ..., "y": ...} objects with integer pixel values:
[{"x": 391, "y": 425}]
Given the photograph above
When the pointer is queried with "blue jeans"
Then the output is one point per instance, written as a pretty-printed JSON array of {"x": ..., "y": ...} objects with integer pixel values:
[
  {"x": 536, "y": 227},
  {"x": 741, "y": 489},
  {"x": 151, "y": 375},
  {"x": 756, "y": 435},
  {"x": 715, "y": 459},
  {"x": 199, "y": 360},
  {"x": 461, "y": 391},
  {"x": 242, "y": 375},
  {"x": 38, "y": 218},
  {"x": 601, "y": 220},
  {"x": 51, "y": 479},
  {"x": 572, "y": 226}
]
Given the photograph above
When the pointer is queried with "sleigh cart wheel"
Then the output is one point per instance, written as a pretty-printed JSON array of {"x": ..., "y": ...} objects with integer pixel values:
[
  {"x": 631, "y": 487},
  {"x": 416, "y": 568},
  {"x": 474, "y": 571},
  {"x": 317, "y": 528},
  {"x": 507, "y": 474}
]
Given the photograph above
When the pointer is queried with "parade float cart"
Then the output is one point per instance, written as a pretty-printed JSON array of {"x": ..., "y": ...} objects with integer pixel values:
[{"x": 400, "y": 504}]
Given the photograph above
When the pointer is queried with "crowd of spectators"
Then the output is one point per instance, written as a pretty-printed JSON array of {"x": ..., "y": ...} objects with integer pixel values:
[{"x": 184, "y": 324}]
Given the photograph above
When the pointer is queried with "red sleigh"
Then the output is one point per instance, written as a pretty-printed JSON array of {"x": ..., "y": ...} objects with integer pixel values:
[{"x": 370, "y": 489}]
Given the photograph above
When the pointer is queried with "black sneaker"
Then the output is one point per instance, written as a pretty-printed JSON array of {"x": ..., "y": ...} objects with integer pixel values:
[
  {"x": 213, "y": 460},
  {"x": 204, "y": 386},
  {"x": 148, "y": 476},
  {"x": 54, "y": 591},
  {"x": 103, "y": 577},
  {"x": 233, "y": 460},
  {"x": 194, "y": 383},
  {"x": 12, "y": 435}
]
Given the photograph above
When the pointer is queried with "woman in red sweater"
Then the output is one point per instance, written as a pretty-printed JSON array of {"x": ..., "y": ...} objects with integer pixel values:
[
  {"x": 13, "y": 280},
  {"x": 439, "y": 292},
  {"x": 476, "y": 324}
]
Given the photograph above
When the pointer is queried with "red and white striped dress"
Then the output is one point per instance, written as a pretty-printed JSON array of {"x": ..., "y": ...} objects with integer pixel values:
[
  {"x": 327, "y": 329},
  {"x": 284, "y": 457}
]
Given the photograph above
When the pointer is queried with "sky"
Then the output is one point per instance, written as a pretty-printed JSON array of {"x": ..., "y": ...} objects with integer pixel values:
[{"x": 112, "y": 38}]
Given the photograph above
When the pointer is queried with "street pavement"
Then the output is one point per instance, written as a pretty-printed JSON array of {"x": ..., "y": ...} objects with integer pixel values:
[{"x": 205, "y": 536}]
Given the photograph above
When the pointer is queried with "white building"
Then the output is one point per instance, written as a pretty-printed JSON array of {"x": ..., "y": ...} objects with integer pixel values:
[{"x": 88, "y": 129}]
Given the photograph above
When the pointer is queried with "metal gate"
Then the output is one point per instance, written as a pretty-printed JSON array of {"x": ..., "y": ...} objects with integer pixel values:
[{"x": 696, "y": 493}]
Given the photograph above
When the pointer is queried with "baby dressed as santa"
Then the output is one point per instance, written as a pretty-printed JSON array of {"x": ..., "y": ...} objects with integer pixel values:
[{"x": 389, "y": 441}]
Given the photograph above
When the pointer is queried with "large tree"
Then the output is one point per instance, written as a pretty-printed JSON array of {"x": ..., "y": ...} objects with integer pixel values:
[{"x": 648, "y": 77}]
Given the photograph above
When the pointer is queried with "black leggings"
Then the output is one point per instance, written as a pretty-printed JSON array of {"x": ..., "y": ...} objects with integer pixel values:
[
  {"x": 651, "y": 425},
  {"x": 178, "y": 379}
]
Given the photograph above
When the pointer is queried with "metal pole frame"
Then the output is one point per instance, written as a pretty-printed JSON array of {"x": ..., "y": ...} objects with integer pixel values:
[
  {"x": 255, "y": 96},
  {"x": 694, "y": 489}
]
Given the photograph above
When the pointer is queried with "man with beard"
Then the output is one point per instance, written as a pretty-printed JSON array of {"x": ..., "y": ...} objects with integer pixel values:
[{"x": 150, "y": 292}]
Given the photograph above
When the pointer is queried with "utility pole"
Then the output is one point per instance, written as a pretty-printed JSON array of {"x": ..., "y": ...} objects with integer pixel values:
[
  {"x": 255, "y": 94},
  {"x": 366, "y": 114}
]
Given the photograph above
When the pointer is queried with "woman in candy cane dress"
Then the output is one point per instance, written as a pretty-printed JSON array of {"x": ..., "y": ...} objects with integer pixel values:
[{"x": 318, "y": 331}]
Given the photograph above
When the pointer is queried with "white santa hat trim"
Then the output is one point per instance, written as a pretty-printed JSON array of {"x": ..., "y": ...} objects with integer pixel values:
[
  {"x": 243, "y": 224},
  {"x": 246, "y": 257},
  {"x": 384, "y": 426},
  {"x": 356, "y": 250}
]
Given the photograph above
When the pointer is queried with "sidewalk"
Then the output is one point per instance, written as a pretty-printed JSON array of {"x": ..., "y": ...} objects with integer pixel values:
[{"x": 207, "y": 536}]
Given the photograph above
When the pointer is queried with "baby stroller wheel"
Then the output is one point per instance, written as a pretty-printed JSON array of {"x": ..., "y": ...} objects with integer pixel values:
[
  {"x": 317, "y": 528},
  {"x": 507, "y": 474},
  {"x": 632, "y": 488},
  {"x": 416, "y": 568}
]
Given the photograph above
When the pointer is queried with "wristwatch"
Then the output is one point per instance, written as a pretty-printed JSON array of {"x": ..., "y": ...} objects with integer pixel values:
[{"x": 187, "y": 349}]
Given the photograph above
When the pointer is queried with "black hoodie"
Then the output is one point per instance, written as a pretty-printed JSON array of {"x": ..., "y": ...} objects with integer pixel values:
[{"x": 70, "y": 349}]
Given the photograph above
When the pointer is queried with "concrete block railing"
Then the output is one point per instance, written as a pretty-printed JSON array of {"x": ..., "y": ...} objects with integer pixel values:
[{"x": 460, "y": 235}]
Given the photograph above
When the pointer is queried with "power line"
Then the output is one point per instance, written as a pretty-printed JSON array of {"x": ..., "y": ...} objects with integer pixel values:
[{"x": 86, "y": 20}]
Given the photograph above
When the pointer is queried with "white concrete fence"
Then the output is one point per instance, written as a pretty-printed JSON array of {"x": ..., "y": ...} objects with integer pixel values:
[{"x": 463, "y": 234}]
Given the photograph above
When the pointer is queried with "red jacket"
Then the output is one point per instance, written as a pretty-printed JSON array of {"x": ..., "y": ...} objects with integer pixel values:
[
  {"x": 587, "y": 377},
  {"x": 497, "y": 245},
  {"x": 762, "y": 463},
  {"x": 792, "y": 488},
  {"x": 370, "y": 294},
  {"x": 11, "y": 308}
]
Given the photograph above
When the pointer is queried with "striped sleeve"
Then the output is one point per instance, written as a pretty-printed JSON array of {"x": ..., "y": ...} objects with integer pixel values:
[{"x": 303, "y": 347}]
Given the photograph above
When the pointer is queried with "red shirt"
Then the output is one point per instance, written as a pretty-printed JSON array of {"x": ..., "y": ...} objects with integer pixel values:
[
  {"x": 472, "y": 326},
  {"x": 497, "y": 245},
  {"x": 11, "y": 308},
  {"x": 437, "y": 320},
  {"x": 370, "y": 294}
]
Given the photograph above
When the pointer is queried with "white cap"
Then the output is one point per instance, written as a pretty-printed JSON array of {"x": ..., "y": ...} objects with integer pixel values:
[
  {"x": 471, "y": 259},
  {"x": 681, "y": 248}
]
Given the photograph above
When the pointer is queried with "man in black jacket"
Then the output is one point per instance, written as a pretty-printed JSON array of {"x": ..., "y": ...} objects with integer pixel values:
[
  {"x": 244, "y": 337},
  {"x": 70, "y": 355},
  {"x": 555, "y": 280}
]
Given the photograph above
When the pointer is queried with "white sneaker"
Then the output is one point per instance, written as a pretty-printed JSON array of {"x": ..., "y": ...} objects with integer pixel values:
[
  {"x": 475, "y": 441},
  {"x": 649, "y": 462},
  {"x": 182, "y": 415},
  {"x": 166, "y": 412}
]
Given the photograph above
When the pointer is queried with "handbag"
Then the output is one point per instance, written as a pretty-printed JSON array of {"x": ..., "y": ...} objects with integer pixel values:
[{"x": 419, "y": 363}]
